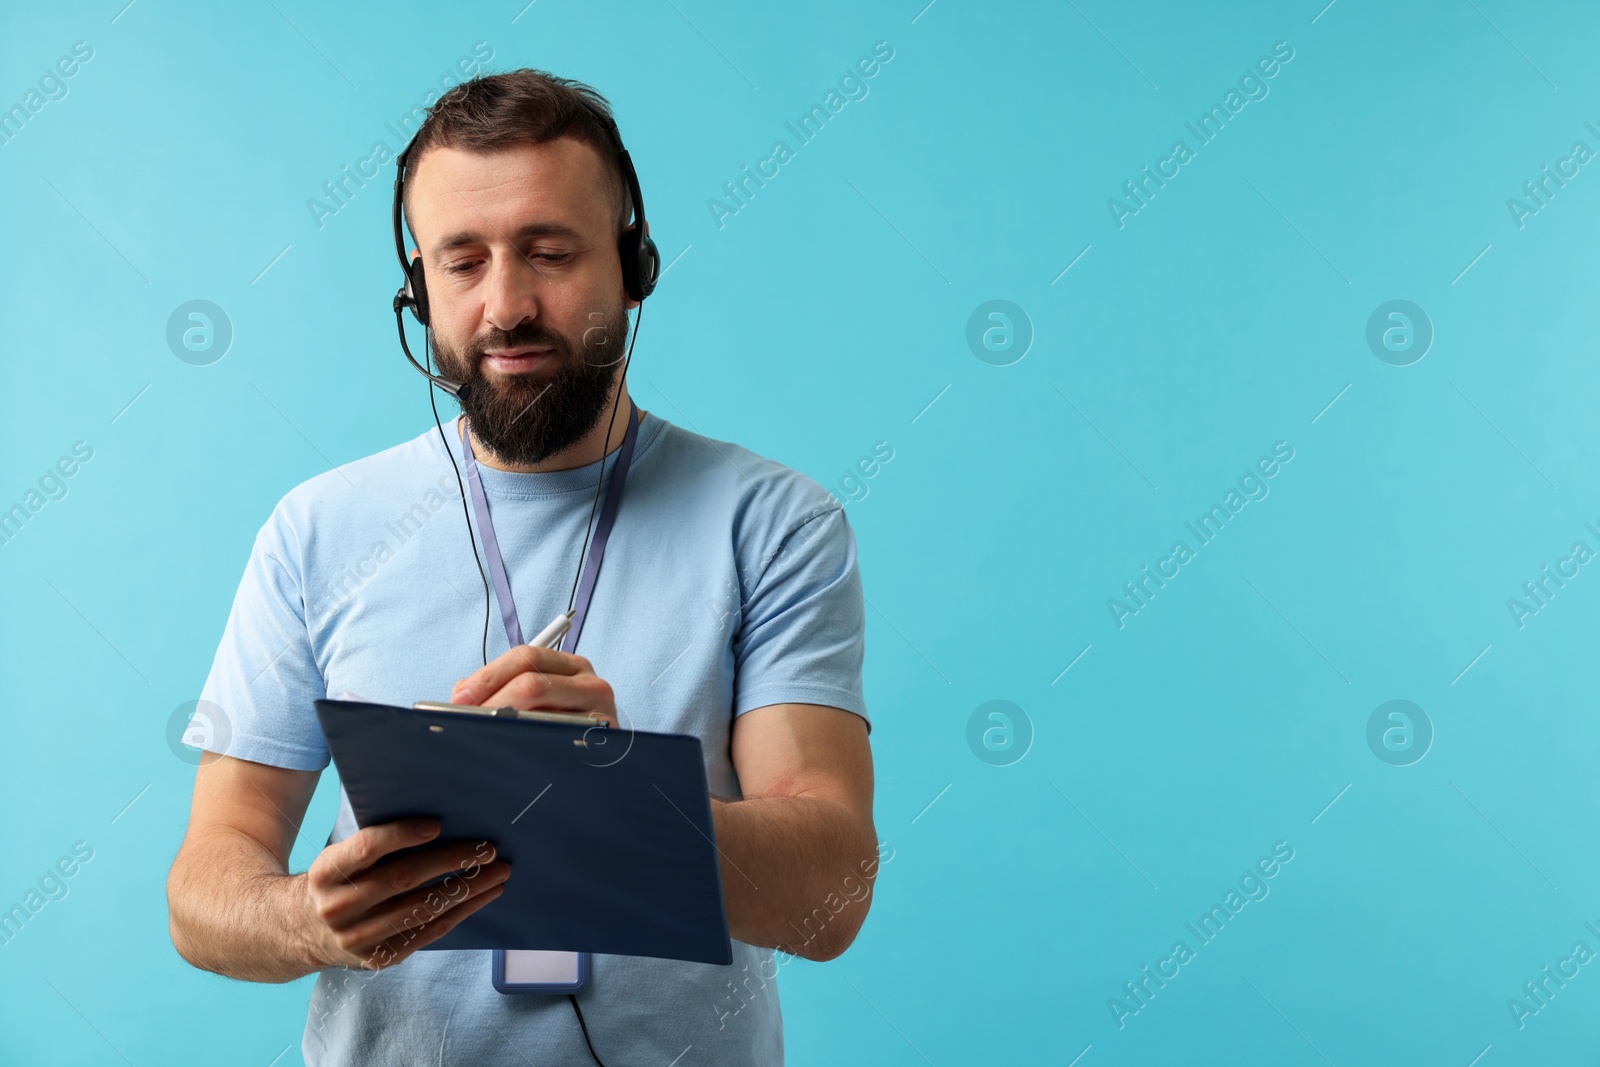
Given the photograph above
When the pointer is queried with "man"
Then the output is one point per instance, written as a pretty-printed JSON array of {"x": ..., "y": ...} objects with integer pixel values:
[{"x": 728, "y": 607}]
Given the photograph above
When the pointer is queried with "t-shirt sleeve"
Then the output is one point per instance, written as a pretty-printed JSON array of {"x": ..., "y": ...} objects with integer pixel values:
[
  {"x": 803, "y": 629},
  {"x": 264, "y": 677}
]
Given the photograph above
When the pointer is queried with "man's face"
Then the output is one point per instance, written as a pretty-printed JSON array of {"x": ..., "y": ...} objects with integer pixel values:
[{"x": 524, "y": 289}]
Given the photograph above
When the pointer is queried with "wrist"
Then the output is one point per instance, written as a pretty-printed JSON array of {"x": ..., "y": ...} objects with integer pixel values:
[{"x": 305, "y": 944}]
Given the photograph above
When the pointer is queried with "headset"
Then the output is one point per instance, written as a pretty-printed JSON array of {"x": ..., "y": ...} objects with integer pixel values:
[
  {"x": 641, "y": 268},
  {"x": 641, "y": 260}
]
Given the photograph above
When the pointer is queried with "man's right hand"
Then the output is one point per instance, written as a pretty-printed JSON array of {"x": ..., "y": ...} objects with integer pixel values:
[{"x": 361, "y": 914}]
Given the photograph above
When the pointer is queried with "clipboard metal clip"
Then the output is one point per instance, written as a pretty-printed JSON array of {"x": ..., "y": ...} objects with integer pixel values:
[{"x": 576, "y": 718}]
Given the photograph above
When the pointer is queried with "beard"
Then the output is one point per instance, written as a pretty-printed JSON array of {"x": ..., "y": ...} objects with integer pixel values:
[{"x": 526, "y": 418}]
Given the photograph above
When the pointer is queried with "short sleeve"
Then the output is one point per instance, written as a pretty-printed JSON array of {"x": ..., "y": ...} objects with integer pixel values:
[
  {"x": 802, "y": 634},
  {"x": 264, "y": 677}
]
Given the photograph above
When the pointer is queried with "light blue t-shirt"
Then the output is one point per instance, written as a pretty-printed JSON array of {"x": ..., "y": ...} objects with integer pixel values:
[{"x": 729, "y": 583}]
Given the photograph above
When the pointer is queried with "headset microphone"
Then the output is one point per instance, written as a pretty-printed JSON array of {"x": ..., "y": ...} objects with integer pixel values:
[
  {"x": 414, "y": 293},
  {"x": 449, "y": 385}
]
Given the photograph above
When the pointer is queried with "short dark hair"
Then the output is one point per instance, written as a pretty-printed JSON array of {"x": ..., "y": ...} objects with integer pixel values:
[{"x": 497, "y": 111}]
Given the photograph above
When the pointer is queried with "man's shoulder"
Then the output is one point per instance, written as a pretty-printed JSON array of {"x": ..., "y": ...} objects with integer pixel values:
[
  {"x": 415, "y": 469},
  {"x": 757, "y": 489}
]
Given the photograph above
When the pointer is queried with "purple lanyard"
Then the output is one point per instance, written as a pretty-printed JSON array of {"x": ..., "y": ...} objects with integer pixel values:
[{"x": 597, "y": 550}]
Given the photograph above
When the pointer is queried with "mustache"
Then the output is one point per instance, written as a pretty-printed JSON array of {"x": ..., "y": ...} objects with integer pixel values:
[{"x": 526, "y": 335}]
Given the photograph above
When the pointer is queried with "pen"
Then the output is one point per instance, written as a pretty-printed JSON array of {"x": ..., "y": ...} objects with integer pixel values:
[{"x": 552, "y": 634}]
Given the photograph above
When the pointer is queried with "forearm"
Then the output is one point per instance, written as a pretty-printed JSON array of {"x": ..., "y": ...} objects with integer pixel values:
[
  {"x": 797, "y": 872},
  {"x": 233, "y": 910}
]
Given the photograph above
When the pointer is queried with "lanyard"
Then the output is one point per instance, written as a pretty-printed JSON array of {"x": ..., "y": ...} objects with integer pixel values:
[{"x": 597, "y": 550}]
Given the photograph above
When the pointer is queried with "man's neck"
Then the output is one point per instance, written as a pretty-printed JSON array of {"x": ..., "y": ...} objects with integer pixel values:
[{"x": 591, "y": 447}]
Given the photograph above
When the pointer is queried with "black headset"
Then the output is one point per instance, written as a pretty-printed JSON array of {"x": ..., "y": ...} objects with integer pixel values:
[{"x": 641, "y": 260}]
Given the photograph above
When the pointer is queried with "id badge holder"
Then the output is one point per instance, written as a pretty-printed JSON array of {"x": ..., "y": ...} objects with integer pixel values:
[{"x": 539, "y": 971}]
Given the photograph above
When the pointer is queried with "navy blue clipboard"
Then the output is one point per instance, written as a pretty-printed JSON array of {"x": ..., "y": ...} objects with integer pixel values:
[{"x": 608, "y": 831}]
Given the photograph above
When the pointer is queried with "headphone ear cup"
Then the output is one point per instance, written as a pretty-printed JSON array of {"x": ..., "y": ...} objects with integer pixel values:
[
  {"x": 649, "y": 265},
  {"x": 641, "y": 262},
  {"x": 417, "y": 290}
]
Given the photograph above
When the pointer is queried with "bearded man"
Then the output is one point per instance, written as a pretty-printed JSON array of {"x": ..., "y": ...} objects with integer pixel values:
[{"x": 729, "y": 607}]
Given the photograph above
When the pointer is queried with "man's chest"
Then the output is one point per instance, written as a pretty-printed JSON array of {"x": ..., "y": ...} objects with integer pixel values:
[{"x": 659, "y": 629}]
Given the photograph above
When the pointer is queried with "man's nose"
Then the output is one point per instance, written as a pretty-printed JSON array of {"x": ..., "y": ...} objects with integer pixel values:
[{"x": 512, "y": 296}]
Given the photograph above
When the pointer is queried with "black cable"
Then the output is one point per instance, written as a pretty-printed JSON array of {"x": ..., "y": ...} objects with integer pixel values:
[
  {"x": 572, "y": 596},
  {"x": 433, "y": 403},
  {"x": 622, "y": 382},
  {"x": 585, "y": 1028},
  {"x": 404, "y": 297}
]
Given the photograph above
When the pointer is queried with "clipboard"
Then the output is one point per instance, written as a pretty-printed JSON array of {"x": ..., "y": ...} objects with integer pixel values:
[{"x": 609, "y": 829}]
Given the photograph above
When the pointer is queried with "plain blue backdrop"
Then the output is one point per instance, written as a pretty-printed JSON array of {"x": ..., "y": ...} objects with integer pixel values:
[{"x": 1043, "y": 858}]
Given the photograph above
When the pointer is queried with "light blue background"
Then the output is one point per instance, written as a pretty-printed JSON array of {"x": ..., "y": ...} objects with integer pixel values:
[{"x": 825, "y": 316}]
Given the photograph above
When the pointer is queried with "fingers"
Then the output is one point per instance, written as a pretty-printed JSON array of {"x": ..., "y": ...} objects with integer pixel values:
[
  {"x": 360, "y": 913},
  {"x": 400, "y": 946},
  {"x": 575, "y": 692},
  {"x": 476, "y": 687},
  {"x": 420, "y": 907},
  {"x": 350, "y": 900},
  {"x": 339, "y": 863}
]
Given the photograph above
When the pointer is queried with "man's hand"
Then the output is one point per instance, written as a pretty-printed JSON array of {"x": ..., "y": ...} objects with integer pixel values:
[
  {"x": 361, "y": 915},
  {"x": 538, "y": 679}
]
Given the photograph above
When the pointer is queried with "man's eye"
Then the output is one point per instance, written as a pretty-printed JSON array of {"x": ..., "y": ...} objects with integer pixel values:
[{"x": 552, "y": 258}]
